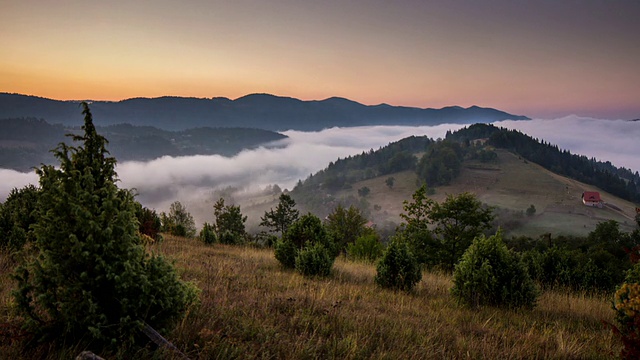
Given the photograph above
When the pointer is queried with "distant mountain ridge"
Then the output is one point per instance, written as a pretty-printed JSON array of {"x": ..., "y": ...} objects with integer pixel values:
[{"x": 262, "y": 111}]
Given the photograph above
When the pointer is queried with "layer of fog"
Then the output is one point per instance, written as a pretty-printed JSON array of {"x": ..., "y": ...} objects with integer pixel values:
[
  {"x": 197, "y": 181},
  {"x": 617, "y": 141}
]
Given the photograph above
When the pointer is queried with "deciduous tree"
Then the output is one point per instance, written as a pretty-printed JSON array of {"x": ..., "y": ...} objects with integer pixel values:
[
  {"x": 346, "y": 225},
  {"x": 458, "y": 220}
]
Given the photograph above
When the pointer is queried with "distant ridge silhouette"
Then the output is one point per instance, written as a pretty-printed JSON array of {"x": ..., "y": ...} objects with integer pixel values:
[{"x": 261, "y": 111}]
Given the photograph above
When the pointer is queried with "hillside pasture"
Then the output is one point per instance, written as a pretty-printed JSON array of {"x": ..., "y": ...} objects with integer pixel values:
[{"x": 511, "y": 184}]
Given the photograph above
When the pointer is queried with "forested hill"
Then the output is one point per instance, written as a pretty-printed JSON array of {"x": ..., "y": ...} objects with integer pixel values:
[
  {"x": 260, "y": 111},
  {"x": 439, "y": 163},
  {"x": 25, "y": 142},
  {"x": 620, "y": 182}
]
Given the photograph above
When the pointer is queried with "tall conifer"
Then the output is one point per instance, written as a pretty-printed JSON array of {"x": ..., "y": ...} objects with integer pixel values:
[{"x": 91, "y": 277}]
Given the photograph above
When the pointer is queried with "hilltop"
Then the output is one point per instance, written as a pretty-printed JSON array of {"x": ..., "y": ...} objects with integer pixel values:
[{"x": 262, "y": 111}]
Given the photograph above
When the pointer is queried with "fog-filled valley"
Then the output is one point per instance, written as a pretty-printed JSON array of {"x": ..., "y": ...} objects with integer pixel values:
[{"x": 197, "y": 181}]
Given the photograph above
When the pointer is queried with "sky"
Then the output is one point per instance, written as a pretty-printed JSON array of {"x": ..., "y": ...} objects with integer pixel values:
[{"x": 544, "y": 59}]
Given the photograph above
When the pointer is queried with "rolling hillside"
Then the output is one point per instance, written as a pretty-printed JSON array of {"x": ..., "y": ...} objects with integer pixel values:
[
  {"x": 511, "y": 185},
  {"x": 499, "y": 176}
]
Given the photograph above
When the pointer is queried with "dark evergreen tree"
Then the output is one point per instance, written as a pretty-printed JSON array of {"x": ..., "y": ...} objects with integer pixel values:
[
  {"x": 490, "y": 274},
  {"x": 304, "y": 234},
  {"x": 92, "y": 279},
  {"x": 17, "y": 214},
  {"x": 229, "y": 223},
  {"x": 282, "y": 217},
  {"x": 398, "y": 269}
]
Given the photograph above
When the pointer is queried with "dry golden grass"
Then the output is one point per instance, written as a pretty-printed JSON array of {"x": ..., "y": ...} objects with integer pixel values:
[{"x": 251, "y": 308}]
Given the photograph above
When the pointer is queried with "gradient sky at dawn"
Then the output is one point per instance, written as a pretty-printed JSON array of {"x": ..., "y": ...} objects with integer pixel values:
[{"x": 537, "y": 58}]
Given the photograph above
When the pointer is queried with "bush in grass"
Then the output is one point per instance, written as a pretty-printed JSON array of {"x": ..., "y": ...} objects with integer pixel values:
[
  {"x": 627, "y": 307},
  {"x": 366, "y": 247},
  {"x": 305, "y": 232},
  {"x": 314, "y": 260},
  {"x": 208, "y": 234},
  {"x": 489, "y": 274},
  {"x": 286, "y": 252},
  {"x": 398, "y": 269},
  {"x": 17, "y": 214},
  {"x": 230, "y": 238}
]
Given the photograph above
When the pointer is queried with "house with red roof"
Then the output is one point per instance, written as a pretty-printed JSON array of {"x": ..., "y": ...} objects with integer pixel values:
[{"x": 592, "y": 198}]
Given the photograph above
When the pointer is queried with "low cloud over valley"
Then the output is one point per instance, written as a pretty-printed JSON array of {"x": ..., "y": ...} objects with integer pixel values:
[{"x": 194, "y": 179}]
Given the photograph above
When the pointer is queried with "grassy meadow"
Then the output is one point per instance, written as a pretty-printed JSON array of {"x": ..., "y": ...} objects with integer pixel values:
[{"x": 251, "y": 308}]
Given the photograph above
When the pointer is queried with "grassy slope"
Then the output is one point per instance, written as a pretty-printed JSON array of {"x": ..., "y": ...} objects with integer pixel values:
[
  {"x": 512, "y": 184},
  {"x": 252, "y": 308}
]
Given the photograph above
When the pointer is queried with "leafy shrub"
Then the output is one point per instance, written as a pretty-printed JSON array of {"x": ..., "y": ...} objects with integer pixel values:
[
  {"x": 490, "y": 274},
  {"x": 302, "y": 236},
  {"x": 230, "y": 238},
  {"x": 208, "y": 234},
  {"x": 286, "y": 252},
  {"x": 627, "y": 307},
  {"x": 17, "y": 216},
  {"x": 149, "y": 221},
  {"x": 308, "y": 229},
  {"x": 398, "y": 269},
  {"x": 314, "y": 260},
  {"x": 366, "y": 247}
]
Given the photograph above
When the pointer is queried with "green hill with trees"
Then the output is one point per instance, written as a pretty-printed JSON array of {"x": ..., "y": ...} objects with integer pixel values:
[{"x": 534, "y": 186}]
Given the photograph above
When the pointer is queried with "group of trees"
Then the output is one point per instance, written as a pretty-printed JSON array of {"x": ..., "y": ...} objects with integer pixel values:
[
  {"x": 311, "y": 246},
  {"x": 438, "y": 233}
]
